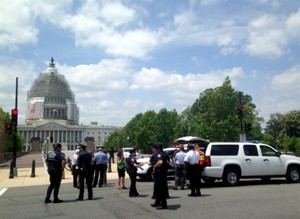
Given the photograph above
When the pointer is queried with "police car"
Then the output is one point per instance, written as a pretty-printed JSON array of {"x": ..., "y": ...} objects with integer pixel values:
[{"x": 146, "y": 173}]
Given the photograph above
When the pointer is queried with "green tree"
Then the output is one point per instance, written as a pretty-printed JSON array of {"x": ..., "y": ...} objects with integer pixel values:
[
  {"x": 214, "y": 114},
  {"x": 273, "y": 129},
  {"x": 290, "y": 131},
  {"x": 9, "y": 142}
]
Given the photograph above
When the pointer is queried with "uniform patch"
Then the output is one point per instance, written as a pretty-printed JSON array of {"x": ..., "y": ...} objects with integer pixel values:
[
  {"x": 159, "y": 155},
  {"x": 132, "y": 159}
]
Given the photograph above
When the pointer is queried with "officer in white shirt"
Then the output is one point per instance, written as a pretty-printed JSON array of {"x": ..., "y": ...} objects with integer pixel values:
[
  {"x": 192, "y": 167},
  {"x": 179, "y": 168},
  {"x": 74, "y": 167}
]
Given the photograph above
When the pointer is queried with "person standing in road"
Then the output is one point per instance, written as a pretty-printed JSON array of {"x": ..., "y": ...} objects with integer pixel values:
[
  {"x": 132, "y": 166},
  {"x": 100, "y": 160},
  {"x": 121, "y": 169},
  {"x": 160, "y": 177},
  {"x": 55, "y": 162},
  {"x": 192, "y": 168},
  {"x": 85, "y": 171},
  {"x": 179, "y": 168},
  {"x": 74, "y": 168}
]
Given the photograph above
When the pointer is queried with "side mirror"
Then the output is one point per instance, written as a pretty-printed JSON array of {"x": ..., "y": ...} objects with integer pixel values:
[{"x": 278, "y": 153}]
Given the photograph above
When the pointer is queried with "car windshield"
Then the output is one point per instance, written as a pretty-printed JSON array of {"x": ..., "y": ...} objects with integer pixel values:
[{"x": 127, "y": 149}]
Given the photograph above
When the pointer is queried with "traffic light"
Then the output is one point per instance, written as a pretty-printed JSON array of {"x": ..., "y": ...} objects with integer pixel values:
[
  {"x": 248, "y": 127},
  {"x": 14, "y": 117},
  {"x": 240, "y": 111},
  {"x": 8, "y": 128}
]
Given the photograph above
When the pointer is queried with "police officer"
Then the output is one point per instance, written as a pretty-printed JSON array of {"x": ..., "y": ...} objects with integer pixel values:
[
  {"x": 55, "y": 162},
  {"x": 85, "y": 172},
  {"x": 193, "y": 172},
  {"x": 132, "y": 166},
  {"x": 160, "y": 177}
]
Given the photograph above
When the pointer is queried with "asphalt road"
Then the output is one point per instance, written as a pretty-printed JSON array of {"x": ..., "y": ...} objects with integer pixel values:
[{"x": 252, "y": 199}]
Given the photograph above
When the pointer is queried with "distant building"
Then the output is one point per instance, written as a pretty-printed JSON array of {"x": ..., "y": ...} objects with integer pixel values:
[{"x": 52, "y": 115}]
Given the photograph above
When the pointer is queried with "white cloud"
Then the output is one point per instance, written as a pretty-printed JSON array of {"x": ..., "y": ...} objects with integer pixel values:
[
  {"x": 19, "y": 28},
  {"x": 209, "y": 2},
  {"x": 267, "y": 37},
  {"x": 282, "y": 94},
  {"x": 117, "y": 14},
  {"x": 293, "y": 25},
  {"x": 182, "y": 88},
  {"x": 287, "y": 83},
  {"x": 97, "y": 80},
  {"x": 9, "y": 70}
]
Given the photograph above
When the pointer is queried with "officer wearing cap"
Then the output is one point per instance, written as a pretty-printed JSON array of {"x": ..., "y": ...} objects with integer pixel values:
[
  {"x": 193, "y": 172},
  {"x": 132, "y": 166},
  {"x": 159, "y": 164},
  {"x": 85, "y": 172},
  {"x": 55, "y": 162}
]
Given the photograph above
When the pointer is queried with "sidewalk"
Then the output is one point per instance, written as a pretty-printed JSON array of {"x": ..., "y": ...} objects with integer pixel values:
[{"x": 24, "y": 178}]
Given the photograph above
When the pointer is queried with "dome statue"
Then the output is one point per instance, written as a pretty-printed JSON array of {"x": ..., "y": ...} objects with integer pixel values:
[{"x": 51, "y": 97}]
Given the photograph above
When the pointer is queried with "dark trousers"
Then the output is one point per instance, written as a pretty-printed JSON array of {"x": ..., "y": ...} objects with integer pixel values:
[
  {"x": 85, "y": 176},
  {"x": 194, "y": 173},
  {"x": 132, "y": 190},
  {"x": 100, "y": 168},
  {"x": 160, "y": 191},
  {"x": 55, "y": 179},
  {"x": 74, "y": 173},
  {"x": 179, "y": 176}
]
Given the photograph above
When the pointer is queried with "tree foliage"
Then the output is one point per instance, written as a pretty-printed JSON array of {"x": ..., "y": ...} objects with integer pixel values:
[
  {"x": 214, "y": 114},
  {"x": 8, "y": 141},
  {"x": 145, "y": 129}
]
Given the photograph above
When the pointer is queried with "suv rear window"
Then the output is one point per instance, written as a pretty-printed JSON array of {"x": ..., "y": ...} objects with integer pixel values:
[{"x": 224, "y": 150}]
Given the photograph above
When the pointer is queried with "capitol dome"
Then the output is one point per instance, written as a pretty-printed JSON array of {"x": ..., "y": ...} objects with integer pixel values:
[{"x": 51, "y": 97}]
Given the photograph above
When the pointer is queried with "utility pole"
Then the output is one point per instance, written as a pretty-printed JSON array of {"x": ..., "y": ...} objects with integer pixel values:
[{"x": 15, "y": 129}]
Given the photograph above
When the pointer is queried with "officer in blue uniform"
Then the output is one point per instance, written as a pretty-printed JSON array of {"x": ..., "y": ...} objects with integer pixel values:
[
  {"x": 159, "y": 163},
  {"x": 132, "y": 166},
  {"x": 55, "y": 162},
  {"x": 84, "y": 161}
]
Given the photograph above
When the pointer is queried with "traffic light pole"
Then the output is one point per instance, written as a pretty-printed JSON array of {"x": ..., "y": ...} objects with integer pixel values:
[{"x": 15, "y": 131}]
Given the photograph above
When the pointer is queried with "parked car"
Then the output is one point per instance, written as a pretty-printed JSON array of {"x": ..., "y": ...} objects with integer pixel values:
[
  {"x": 232, "y": 161},
  {"x": 126, "y": 152},
  {"x": 145, "y": 174}
]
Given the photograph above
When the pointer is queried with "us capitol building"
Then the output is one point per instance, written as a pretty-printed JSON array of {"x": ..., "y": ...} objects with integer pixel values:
[{"x": 52, "y": 115}]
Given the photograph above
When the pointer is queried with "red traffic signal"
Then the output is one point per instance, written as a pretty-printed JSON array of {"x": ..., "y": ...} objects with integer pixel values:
[
  {"x": 240, "y": 111},
  {"x": 14, "y": 112},
  {"x": 14, "y": 117},
  {"x": 8, "y": 128}
]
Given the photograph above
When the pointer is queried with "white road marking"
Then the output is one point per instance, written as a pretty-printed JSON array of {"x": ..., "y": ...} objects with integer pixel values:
[{"x": 2, "y": 191}]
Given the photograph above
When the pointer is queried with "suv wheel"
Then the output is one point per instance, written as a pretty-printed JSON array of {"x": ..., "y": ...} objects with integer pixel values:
[
  {"x": 293, "y": 174},
  {"x": 231, "y": 177}
]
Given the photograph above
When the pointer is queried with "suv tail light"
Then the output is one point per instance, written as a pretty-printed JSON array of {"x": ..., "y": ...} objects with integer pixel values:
[{"x": 208, "y": 161}]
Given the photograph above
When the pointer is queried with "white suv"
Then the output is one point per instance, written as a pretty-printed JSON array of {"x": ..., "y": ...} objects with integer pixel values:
[{"x": 232, "y": 161}]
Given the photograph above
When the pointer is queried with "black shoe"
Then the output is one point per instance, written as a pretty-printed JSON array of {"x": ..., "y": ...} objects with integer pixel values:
[
  {"x": 192, "y": 195},
  {"x": 47, "y": 200},
  {"x": 198, "y": 194},
  {"x": 175, "y": 188},
  {"x": 79, "y": 199},
  {"x": 58, "y": 200},
  {"x": 182, "y": 188},
  {"x": 161, "y": 207},
  {"x": 154, "y": 205},
  {"x": 124, "y": 187},
  {"x": 90, "y": 199}
]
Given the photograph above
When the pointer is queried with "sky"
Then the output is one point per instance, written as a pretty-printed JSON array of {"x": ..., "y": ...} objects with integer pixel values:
[{"x": 126, "y": 57}]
